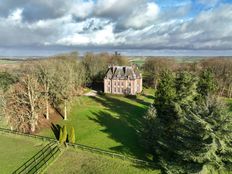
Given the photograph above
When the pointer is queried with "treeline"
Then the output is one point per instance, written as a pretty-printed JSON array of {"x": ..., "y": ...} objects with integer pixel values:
[
  {"x": 30, "y": 91},
  {"x": 221, "y": 69}
]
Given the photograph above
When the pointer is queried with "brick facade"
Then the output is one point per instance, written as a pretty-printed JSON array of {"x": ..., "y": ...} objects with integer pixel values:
[{"x": 123, "y": 80}]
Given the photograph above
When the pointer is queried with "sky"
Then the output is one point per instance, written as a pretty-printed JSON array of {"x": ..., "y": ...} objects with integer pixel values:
[{"x": 132, "y": 27}]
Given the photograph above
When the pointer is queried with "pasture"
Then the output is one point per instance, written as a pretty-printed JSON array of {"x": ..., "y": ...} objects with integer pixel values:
[
  {"x": 82, "y": 162},
  {"x": 16, "y": 150},
  {"x": 108, "y": 122}
]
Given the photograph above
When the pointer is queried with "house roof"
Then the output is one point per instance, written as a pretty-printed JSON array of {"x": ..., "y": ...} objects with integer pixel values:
[{"x": 123, "y": 72}]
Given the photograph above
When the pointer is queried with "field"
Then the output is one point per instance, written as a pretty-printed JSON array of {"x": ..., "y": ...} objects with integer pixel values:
[
  {"x": 76, "y": 161},
  {"x": 16, "y": 150},
  {"x": 108, "y": 122}
]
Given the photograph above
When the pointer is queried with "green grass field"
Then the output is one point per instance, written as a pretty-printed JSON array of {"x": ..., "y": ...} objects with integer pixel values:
[
  {"x": 108, "y": 122},
  {"x": 81, "y": 162},
  {"x": 16, "y": 150}
]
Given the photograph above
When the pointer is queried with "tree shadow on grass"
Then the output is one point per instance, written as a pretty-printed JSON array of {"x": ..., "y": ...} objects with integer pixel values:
[
  {"x": 230, "y": 106},
  {"x": 136, "y": 99},
  {"x": 148, "y": 96},
  {"x": 56, "y": 130},
  {"x": 123, "y": 127}
]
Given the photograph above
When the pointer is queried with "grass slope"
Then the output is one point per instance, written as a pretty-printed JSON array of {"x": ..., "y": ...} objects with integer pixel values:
[
  {"x": 72, "y": 161},
  {"x": 15, "y": 150},
  {"x": 108, "y": 121}
]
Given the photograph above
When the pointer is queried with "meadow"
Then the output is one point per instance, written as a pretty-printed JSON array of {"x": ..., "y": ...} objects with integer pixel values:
[
  {"x": 16, "y": 150},
  {"x": 82, "y": 162},
  {"x": 109, "y": 122}
]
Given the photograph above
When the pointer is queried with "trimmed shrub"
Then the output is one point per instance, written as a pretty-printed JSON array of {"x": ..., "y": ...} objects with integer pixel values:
[
  {"x": 64, "y": 134},
  {"x": 61, "y": 136},
  {"x": 72, "y": 136}
]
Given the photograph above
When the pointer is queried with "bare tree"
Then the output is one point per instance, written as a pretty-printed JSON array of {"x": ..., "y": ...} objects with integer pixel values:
[
  {"x": 63, "y": 85},
  {"x": 2, "y": 106},
  {"x": 24, "y": 104},
  {"x": 45, "y": 73},
  {"x": 154, "y": 66}
]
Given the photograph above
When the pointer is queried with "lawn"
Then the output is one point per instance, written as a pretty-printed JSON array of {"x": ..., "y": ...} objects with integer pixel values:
[
  {"x": 108, "y": 122},
  {"x": 229, "y": 101},
  {"x": 16, "y": 150},
  {"x": 77, "y": 161}
]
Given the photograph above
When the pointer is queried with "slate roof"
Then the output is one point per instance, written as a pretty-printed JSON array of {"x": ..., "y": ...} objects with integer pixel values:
[{"x": 123, "y": 73}]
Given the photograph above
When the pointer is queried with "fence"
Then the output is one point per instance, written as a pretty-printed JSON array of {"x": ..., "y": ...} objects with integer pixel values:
[
  {"x": 39, "y": 160},
  {"x": 29, "y": 135},
  {"x": 111, "y": 154},
  {"x": 87, "y": 148}
]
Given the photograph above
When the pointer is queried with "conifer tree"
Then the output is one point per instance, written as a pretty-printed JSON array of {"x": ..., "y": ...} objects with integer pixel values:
[
  {"x": 188, "y": 134},
  {"x": 64, "y": 134},
  {"x": 72, "y": 135},
  {"x": 207, "y": 84},
  {"x": 61, "y": 136}
]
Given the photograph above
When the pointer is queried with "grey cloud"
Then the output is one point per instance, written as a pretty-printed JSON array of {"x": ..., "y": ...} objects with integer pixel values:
[
  {"x": 210, "y": 30},
  {"x": 34, "y": 10},
  {"x": 116, "y": 9}
]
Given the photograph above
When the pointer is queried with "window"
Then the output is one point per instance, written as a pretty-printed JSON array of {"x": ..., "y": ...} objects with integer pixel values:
[
  {"x": 122, "y": 83},
  {"x": 129, "y": 83},
  {"x": 118, "y": 90},
  {"x": 115, "y": 83},
  {"x": 114, "y": 89},
  {"x": 118, "y": 83},
  {"x": 138, "y": 87}
]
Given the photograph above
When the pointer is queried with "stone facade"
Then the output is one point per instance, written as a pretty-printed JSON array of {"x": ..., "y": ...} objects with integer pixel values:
[{"x": 123, "y": 80}]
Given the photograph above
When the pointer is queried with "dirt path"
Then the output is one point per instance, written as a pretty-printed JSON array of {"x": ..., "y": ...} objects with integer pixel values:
[{"x": 92, "y": 93}]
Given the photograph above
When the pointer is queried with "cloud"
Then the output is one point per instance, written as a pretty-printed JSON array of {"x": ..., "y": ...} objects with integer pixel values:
[
  {"x": 111, "y": 24},
  {"x": 82, "y": 9},
  {"x": 115, "y": 9},
  {"x": 142, "y": 16}
]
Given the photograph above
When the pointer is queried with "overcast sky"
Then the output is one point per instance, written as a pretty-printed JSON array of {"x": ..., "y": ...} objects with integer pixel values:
[{"x": 133, "y": 27}]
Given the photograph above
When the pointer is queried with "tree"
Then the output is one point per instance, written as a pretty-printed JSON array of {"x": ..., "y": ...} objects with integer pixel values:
[
  {"x": 6, "y": 79},
  {"x": 165, "y": 95},
  {"x": 45, "y": 73},
  {"x": 188, "y": 134},
  {"x": 23, "y": 104},
  {"x": 96, "y": 65},
  {"x": 222, "y": 72},
  {"x": 2, "y": 106},
  {"x": 62, "y": 87},
  {"x": 61, "y": 136},
  {"x": 72, "y": 135},
  {"x": 153, "y": 67},
  {"x": 64, "y": 134},
  {"x": 207, "y": 84},
  {"x": 149, "y": 129}
]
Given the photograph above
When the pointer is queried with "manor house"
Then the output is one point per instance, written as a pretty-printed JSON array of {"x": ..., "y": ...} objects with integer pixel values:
[{"x": 123, "y": 80}]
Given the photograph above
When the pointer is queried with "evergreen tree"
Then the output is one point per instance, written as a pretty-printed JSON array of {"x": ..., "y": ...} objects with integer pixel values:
[
  {"x": 188, "y": 135},
  {"x": 64, "y": 134},
  {"x": 165, "y": 96},
  {"x": 72, "y": 135},
  {"x": 207, "y": 84},
  {"x": 61, "y": 136}
]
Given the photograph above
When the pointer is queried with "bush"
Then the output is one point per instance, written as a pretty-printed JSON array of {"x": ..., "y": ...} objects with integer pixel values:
[
  {"x": 61, "y": 136},
  {"x": 72, "y": 136},
  {"x": 64, "y": 134}
]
